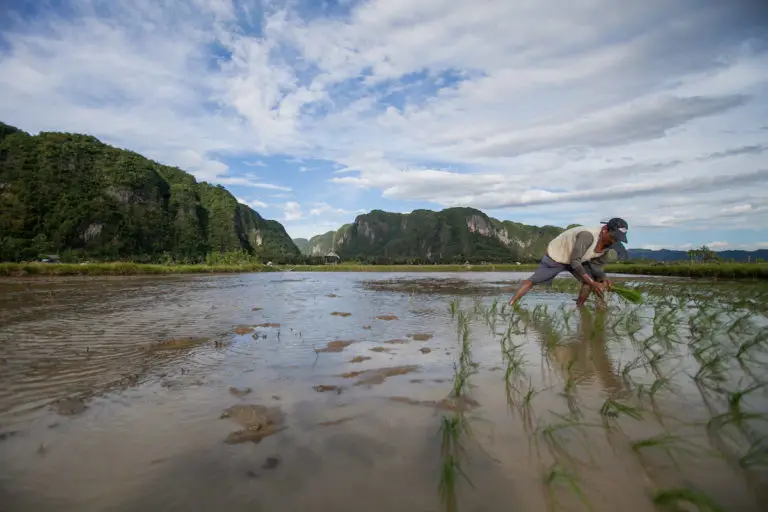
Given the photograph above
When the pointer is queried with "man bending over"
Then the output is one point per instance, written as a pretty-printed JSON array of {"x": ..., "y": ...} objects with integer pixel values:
[{"x": 582, "y": 251}]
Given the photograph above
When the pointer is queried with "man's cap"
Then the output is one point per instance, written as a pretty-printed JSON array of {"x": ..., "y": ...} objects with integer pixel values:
[{"x": 618, "y": 229}]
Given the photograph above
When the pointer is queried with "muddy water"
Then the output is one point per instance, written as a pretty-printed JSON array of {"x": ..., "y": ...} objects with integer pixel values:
[{"x": 300, "y": 391}]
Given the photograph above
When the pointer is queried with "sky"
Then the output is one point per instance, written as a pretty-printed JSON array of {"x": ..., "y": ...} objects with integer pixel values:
[{"x": 313, "y": 112}]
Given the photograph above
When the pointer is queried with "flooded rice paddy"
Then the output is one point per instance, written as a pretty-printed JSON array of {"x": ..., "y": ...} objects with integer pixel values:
[{"x": 300, "y": 391}]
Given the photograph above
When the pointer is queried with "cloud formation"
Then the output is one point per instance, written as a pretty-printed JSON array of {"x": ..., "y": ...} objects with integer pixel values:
[{"x": 538, "y": 113}]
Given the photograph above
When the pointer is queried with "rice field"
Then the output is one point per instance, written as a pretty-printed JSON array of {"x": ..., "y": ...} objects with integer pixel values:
[
  {"x": 380, "y": 392},
  {"x": 689, "y": 389}
]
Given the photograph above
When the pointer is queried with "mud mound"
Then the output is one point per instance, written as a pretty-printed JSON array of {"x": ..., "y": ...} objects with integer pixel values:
[
  {"x": 379, "y": 375},
  {"x": 335, "y": 346},
  {"x": 259, "y": 421}
]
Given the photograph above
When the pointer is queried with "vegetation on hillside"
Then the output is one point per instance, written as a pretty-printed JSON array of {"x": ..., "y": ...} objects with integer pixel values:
[
  {"x": 321, "y": 245},
  {"x": 453, "y": 235},
  {"x": 72, "y": 196},
  {"x": 302, "y": 244}
]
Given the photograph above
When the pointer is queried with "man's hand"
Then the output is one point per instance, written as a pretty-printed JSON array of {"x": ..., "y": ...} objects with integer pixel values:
[
  {"x": 607, "y": 284},
  {"x": 597, "y": 287}
]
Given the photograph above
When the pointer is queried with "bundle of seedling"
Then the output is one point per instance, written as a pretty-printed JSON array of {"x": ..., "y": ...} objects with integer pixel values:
[{"x": 628, "y": 294}]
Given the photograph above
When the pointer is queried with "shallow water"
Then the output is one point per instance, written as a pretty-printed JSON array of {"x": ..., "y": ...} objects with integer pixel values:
[{"x": 146, "y": 366}]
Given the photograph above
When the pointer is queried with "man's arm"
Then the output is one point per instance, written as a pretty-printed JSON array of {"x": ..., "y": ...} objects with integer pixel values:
[
  {"x": 580, "y": 246},
  {"x": 597, "y": 265}
]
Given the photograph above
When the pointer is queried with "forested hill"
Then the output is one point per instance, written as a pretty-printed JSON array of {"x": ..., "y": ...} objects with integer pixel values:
[
  {"x": 453, "y": 235},
  {"x": 456, "y": 235},
  {"x": 76, "y": 197}
]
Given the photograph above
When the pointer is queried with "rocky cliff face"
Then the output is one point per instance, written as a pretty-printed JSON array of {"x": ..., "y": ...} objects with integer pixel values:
[
  {"x": 75, "y": 196},
  {"x": 321, "y": 245},
  {"x": 451, "y": 235}
]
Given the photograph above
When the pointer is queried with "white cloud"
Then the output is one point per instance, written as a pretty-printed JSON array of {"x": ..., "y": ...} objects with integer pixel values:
[
  {"x": 324, "y": 209},
  {"x": 717, "y": 246},
  {"x": 253, "y": 203},
  {"x": 657, "y": 247},
  {"x": 247, "y": 182},
  {"x": 569, "y": 113},
  {"x": 292, "y": 211},
  {"x": 316, "y": 218}
]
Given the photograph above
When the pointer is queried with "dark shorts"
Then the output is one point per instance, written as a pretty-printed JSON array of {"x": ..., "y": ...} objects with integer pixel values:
[{"x": 549, "y": 269}]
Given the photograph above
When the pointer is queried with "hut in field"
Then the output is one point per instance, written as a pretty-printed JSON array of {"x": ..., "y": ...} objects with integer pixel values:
[{"x": 331, "y": 258}]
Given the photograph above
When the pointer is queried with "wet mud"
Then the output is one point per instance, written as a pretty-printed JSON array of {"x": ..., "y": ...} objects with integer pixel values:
[
  {"x": 395, "y": 341},
  {"x": 322, "y": 388},
  {"x": 258, "y": 422},
  {"x": 387, "y": 317},
  {"x": 359, "y": 359},
  {"x": 71, "y": 406},
  {"x": 240, "y": 392},
  {"x": 341, "y": 313},
  {"x": 420, "y": 337},
  {"x": 243, "y": 329},
  {"x": 330, "y": 423},
  {"x": 379, "y": 375},
  {"x": 335, "y": 346}
]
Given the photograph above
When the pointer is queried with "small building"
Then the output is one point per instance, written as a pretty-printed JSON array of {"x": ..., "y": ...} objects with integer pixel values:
[{"x": 331, "y": 258}]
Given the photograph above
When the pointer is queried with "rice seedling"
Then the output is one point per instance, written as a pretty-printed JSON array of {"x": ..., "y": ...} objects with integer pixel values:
[
  {"x": 454, "y": 306},
  {"x": 758, "y": 341},
  {"x": 736, "y": 415},
  {"x": 451, "y": 451},
  {"x": 613, "y": 409},
  {"x": 557, "y": 474},
  {"x": 460, "y": 376},
  {"x": 663, "y": 382},
  {"x": 756, "y": 457},
  {"x": 670, "y": 499}
]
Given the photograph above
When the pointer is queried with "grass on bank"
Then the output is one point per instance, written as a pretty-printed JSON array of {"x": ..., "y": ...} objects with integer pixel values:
[
  {"x": 124, "y": 269},
  {"x": 701, "y": 270}
]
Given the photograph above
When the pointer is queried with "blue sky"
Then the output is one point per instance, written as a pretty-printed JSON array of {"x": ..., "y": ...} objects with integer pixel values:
[{"x": 315, "y": 111}]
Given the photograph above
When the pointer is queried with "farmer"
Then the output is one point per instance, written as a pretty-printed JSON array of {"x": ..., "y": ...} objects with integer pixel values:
[{"x": 581, "y": 251}]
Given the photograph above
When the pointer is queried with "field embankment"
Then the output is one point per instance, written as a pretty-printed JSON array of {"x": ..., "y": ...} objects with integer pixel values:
[{"x": 693, "y": 270}]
